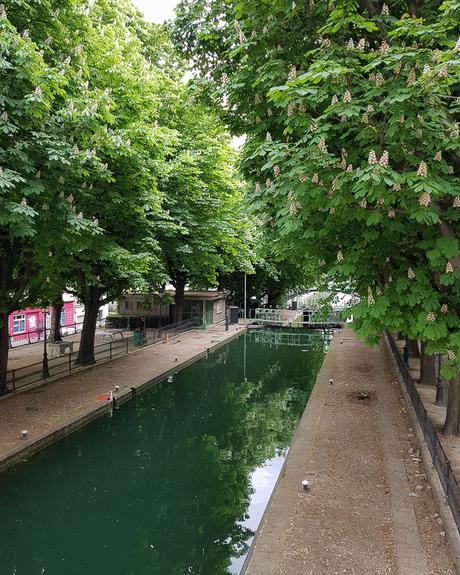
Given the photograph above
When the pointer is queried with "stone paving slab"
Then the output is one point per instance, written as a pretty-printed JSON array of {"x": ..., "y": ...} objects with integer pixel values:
[
  {"x": 370, "y": 510},
  {"x": 59, "y": 406}
]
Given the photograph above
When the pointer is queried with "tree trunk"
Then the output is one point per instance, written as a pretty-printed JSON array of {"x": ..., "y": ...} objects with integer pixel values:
[
  {"x": 427, "y": 367},
  {"x": 56, "y": 321},
  {"x": 4, "y": 338},
  {"x": 452, "y": 423},
  {"x": 412, "y": 347},
  {"x": 86, "y": 351},
  {"x": 179, "y": 297}
]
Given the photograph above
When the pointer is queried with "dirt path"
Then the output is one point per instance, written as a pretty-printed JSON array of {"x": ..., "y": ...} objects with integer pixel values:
[
  {"x": 370, "y": 510},
  {"x": 47, "y": 411}
]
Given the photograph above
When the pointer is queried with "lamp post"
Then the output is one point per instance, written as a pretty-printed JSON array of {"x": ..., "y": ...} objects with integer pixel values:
[
  {"x": 45, "y": 368},
  {"x": 245, "y": 296}
]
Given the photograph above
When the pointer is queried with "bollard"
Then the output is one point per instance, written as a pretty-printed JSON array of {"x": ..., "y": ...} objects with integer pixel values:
[{"x": 305, "y": 485}]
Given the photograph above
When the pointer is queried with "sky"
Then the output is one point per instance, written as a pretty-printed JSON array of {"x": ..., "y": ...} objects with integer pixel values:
[{"x": 156, "y": 10}]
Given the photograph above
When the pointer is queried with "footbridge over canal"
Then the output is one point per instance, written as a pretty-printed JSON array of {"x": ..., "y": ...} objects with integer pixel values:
[{"x": 296, "y": 318}]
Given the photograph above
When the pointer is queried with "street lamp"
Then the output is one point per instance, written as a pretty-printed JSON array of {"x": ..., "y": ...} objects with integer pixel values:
[
  {"x": 45, "y": 368},
  {"x": 245, "y": 295}
]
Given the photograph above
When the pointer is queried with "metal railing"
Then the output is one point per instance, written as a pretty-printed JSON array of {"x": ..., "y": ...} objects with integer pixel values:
[
  {"x": 35, "y": 336},
  {"x": 440, "y": 460},
  {"x": 33, "y": 373},
  {"x": 180, "y": 327}
]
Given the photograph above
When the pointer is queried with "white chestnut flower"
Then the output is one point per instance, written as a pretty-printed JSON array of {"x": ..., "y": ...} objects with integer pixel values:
[
  {"x": 397, "y": 187},
  {"x": 425, "y": 200},
  {"x": 410, "y": 274},
  {"x": 347, "y": 97},
  {"x": 350, "y": 45},
  {"x": 315, "y": 180},
  {"x": 292, "y": 74},
  {"x": 457, "y": 46},
  {"x": 430, "y": 316},
  {"x": 363, "y": 204},
  {"x": 276, "y": 171},
  {"x": 303, "y": 178},
  {"x": 451, "y": 355},
  {"x": 372, "y": 159},
  {"x": 391, "y": 214},
  {"x": 268, "y": 137},
  {"x": 370, "y": 296},
  {"x": 384, "y": 159},
  {"x": 449, "y": 268},
  {"x": 384, "y": 48},
  {"x": 322, "y": 146},
  {"x": 340, "y": 257},
  {"x": 334, "y": 100},
  {"x": 362, "y": 44},
  {"x": 444, "y": 308},
  {"x": 438, "y": 156},
  {"x": 385, "y": 10},
  {"x": 456, "y": 202},
  {"x": 422, "y": 171}
]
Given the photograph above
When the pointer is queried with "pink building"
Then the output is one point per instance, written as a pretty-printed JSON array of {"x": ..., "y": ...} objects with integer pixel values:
[{"x": 28, "y": 325}]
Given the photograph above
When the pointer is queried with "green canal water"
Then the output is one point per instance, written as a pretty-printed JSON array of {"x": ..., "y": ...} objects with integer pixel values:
[{"x": 176, "y": 481}]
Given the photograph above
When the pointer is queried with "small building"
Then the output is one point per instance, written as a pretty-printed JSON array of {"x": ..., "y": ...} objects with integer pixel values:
[
  {"x": 27, "y": 325},
  {"x": 207, "y": 306}
]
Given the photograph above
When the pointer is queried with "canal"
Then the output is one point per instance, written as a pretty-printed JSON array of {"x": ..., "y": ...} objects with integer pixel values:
[{"x": 176, "y": 481}]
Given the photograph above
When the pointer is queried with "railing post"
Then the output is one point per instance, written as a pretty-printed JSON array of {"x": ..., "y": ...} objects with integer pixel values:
[
  {"x": 75, "y": 328},
  {"x": 14, "y": 380},
  {"x": 28, "y": 336},
  {"x": 70, "y": 362},
  {"x": 127, "y": 343},
  {"x": 110, "y": 347}
]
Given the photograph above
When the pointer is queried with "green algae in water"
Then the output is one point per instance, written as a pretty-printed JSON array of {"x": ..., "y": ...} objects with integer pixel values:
[{"x": 165, "y": 486}]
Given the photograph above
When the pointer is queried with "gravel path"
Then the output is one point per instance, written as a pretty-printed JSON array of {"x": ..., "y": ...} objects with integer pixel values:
[{"x": 370, "y": 510}]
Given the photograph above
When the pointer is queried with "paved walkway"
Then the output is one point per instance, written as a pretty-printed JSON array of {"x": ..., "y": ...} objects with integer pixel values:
[
  {"x": 49, "y": 410},
  {"x": 370, "y": 510}
]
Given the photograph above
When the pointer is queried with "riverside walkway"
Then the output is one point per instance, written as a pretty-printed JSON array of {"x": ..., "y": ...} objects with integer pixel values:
[
  {"x": 370, "y": 509},
  {"x": 55, "y": 408}
]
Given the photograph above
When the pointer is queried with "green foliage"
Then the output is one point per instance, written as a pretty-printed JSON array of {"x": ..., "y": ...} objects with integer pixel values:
[{"x": 351, "y": 114}]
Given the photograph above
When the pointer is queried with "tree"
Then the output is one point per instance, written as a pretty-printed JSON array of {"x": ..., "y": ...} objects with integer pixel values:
[
  {"x": 34, "y": 155},
  {"x": 206, "y": 235},
  {"x": 353, "y": 145}
]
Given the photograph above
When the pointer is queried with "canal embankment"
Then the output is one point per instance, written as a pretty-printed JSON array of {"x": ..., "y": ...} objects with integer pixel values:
[
  {"x": 370, "y": 507},
  {"x": 56, "y": 408}
]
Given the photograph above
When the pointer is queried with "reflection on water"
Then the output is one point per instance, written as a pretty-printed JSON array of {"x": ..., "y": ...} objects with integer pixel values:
[{"x": 175, "y": 483}]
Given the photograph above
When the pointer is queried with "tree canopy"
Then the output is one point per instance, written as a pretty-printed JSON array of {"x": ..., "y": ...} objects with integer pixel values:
[{"x": 351, "y": 114}]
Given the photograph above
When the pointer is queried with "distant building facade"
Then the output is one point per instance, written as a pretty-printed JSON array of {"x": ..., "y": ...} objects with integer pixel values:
[{"x": 208, "y": 306}]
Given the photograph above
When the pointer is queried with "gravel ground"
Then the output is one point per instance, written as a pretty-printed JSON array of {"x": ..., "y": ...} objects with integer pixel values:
[{"x": 370, "y": 510}]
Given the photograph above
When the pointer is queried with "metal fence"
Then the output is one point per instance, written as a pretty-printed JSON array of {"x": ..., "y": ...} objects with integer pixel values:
[
  {"x": 440, "y": 461},
  {"x": 35, "y": 336},
  {"x": 66, "y": 363}
]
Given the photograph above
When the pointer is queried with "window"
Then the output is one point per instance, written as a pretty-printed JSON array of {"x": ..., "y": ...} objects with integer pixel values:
[
  {"x": 19, "y": 323},
  {"x": 63, "y": 317}
]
